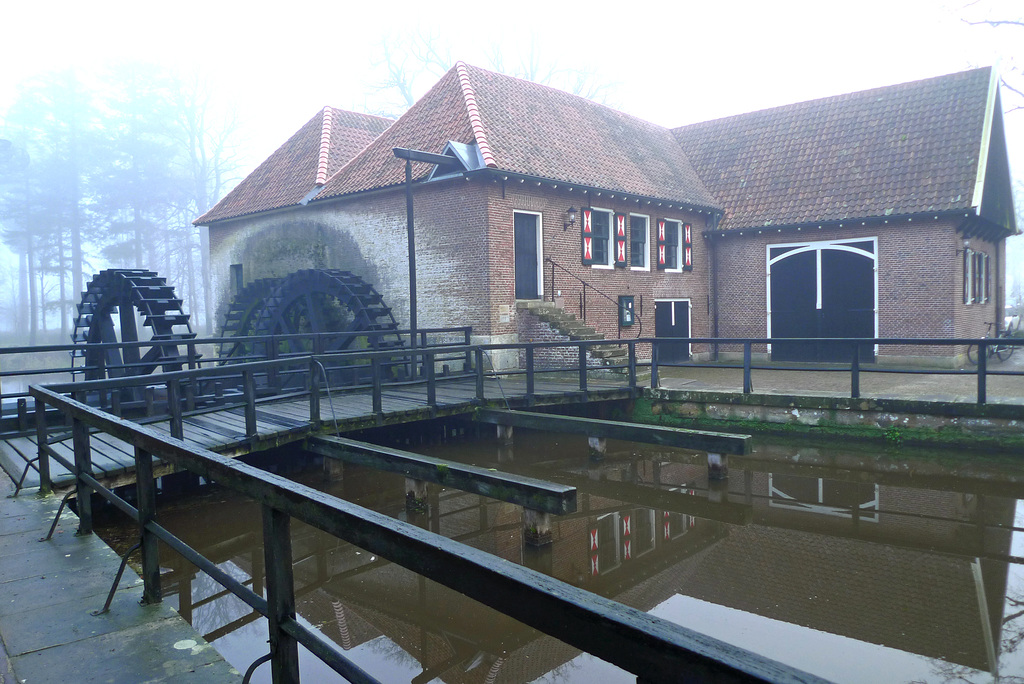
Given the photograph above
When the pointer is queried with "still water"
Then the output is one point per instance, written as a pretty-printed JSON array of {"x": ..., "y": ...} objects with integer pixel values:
[{"x": 853, "y": 565}]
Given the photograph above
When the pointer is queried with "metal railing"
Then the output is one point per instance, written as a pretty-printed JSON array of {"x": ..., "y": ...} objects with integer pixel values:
[
  {"x": 654, "y": 649},
  {"x": 14, "y": 405},
  {"x": 583, "y": 295}
]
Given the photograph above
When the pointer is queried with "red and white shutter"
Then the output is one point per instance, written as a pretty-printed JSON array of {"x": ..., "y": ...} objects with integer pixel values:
[
  {"x": 587, "y": 237},
  {"x": 620, "y": 240},
  {"x": 687, "y": 248},
  {"x": 662, "y": 264}
]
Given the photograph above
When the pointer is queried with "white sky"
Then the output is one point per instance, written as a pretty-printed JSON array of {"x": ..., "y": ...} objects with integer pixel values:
[{"x": 669, "y": 62}]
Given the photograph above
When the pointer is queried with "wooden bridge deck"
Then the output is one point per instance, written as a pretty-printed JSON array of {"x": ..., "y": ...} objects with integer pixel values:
[{"x": 280, "y": 421}]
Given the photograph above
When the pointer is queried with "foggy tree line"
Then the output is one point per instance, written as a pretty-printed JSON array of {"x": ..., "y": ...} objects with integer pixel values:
[{"x": 107, "y": 175}]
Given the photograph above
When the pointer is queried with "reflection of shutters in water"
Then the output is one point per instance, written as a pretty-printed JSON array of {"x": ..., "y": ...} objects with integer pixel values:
[
  {"x": 821, "y": 290},
  {"x": 604, "y": 544}
]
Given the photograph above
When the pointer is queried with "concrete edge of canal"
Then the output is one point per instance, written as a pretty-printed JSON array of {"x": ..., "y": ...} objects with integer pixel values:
[
  {"x": 925, "y": 421},
  {"x": 49, "y": 591}
]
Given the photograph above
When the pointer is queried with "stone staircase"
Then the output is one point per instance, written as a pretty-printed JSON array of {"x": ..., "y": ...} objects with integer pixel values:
[{"x": 567, "y": 324}]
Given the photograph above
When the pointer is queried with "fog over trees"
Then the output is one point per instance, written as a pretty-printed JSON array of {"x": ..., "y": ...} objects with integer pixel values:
[
  {"x": 110, "y": 169},
  {"x": 109, "y": 174}
]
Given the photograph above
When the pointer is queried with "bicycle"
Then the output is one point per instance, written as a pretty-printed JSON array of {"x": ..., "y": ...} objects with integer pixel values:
[{"x": 999, "y": 351}]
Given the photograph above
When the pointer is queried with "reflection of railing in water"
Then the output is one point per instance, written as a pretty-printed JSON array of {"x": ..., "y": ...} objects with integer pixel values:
[{"x": 653, "y": 648}]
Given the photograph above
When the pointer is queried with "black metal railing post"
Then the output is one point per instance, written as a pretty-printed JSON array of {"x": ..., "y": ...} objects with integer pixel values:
[
  {"x": 249, "y": 393},
  {"x": 83, "y": 464},
  {"x": 174, "y": 408},
  {"x": 632, "y": 349},
  {"x": 428, "y": 364},
  {"x": 748, "y": 383},
  {"x": 982, "y": 370},
  {"x": 277, "y": 551},
  {"x": 654, "y": 365},
  {"x": 378, "y": 391},
  {"x": 272, "y": 375},
  {"x": 855, "y": 372},
  {"x": 479, "y": 360},
  {"x": 145, "y": 486},
  {"x": 530, "y": 378},
  {"x": 314, "y": 392},
  {"x": 583, "y": 369},
  {"x": 45, "y": 485}
]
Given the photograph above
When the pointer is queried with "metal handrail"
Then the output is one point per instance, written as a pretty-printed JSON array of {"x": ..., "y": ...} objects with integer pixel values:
[
  {"x": 583, "y": 294},
  {"x": 653, "y": 648}
]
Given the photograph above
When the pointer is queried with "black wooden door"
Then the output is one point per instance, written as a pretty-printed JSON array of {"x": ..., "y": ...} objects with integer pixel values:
[
  {"x": 847, "y": 304},
  {"x": 794, "y": 306},
  {"x": 672, "y": 319},
  {"x": 527, "y": 266}
]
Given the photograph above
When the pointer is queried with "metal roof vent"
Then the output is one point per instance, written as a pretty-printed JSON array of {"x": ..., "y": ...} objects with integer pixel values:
[{"x": 465, "y": 157}]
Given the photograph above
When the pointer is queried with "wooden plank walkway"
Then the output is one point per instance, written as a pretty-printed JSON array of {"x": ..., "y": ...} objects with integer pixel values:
[{"x": 223, "y": 430}]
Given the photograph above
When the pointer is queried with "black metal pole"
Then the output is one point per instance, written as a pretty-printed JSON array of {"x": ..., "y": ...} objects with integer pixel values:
[{"x": 412, "y": 253}]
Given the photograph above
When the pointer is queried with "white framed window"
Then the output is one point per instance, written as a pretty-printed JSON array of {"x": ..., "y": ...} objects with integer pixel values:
[
  {"x": 670, "y": 241},
  {"x": 601, "y": 227},
  {"x": 639, "y": 242},
  {"x": 977, "y": 279}
]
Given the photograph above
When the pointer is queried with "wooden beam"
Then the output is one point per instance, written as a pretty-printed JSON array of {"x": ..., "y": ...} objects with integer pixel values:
[
  {"x": 700, "y": 440},
  {"x": 528, "y": 492}
]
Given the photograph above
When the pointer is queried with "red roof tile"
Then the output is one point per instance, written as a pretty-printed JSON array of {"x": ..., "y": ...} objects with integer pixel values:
[
  {"x": 898, "y": 150},
  {"x": 306, "y": 159},
  {"x": 530, "y": 129}
]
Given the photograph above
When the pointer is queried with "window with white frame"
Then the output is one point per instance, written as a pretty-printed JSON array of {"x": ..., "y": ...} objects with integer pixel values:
[
  {"x": 669, "y": 239},
  {"x": 639, "y": 240},
  {"x": 601, "y": 226},
  {"x": 977, "y": 278}
]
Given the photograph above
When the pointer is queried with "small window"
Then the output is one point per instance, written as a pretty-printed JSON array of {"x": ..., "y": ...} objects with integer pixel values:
[
  {"x": 639, "y": 237},
  {"x": 602, "y": 227},
  {"x": 236, "y": 278},
  {"x": 668, "y": 245}
]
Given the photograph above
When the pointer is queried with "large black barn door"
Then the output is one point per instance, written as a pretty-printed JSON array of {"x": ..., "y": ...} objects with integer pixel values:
[
  {"x": 527, "y": 263},
  {"x": 819, "y": 293},
  {"x": 672, "y": 319}
]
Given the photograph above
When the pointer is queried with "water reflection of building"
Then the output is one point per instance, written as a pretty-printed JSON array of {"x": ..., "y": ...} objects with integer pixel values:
[{"x": 885, "y": 564}]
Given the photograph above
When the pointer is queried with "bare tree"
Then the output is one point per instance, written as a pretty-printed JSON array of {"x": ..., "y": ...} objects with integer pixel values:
[{"x": 409, "y": 63}]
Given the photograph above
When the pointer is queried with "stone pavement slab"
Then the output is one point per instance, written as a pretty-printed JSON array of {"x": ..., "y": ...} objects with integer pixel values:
[{"x": 48, "y": 592}]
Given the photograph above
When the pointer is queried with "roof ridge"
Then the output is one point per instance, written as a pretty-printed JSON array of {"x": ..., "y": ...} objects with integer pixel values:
[
  {"x": 325, "y": 146},
  {"x": 865, "y": 92},
  {"x": 474, "y": 115}
]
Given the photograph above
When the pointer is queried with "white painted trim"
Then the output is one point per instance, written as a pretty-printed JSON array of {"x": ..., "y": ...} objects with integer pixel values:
[
  {"x": 647, "y": 242},
  {"x": 679, "y": 245},
  {"x": 610, "y": 248},
  {"x": 689, "y": 317},
  {"x": 986, "y": 140},
  {"x": 817, "y": 246},
  {"x": 540, "y": 249}
]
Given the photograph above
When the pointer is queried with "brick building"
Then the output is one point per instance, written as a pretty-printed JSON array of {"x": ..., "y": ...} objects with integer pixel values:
[{"x": 880, "y": 213}]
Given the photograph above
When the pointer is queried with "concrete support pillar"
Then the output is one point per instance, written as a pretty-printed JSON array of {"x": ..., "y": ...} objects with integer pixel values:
[
  {"x": 718, "y": 491},
  {"x": 505, "y": 434},
  {"x": 718, "y": 466},
  {"x": 416, "y": 495},
  {"x": 536, "y": 527},
  {"x": 334, "y": 469},
  {"x": 598, "y": 447}
]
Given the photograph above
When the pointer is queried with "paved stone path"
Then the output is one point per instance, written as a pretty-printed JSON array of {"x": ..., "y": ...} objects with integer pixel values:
[{"x": 48, "y": 591}]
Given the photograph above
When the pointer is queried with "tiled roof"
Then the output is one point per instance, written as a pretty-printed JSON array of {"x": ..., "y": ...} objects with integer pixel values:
[
  {"x": 306, "y": 159},
  {"x": 897, "y": 150},
  {"x": 436, "y": 118},
  {"x": 531, "y": 129}
]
